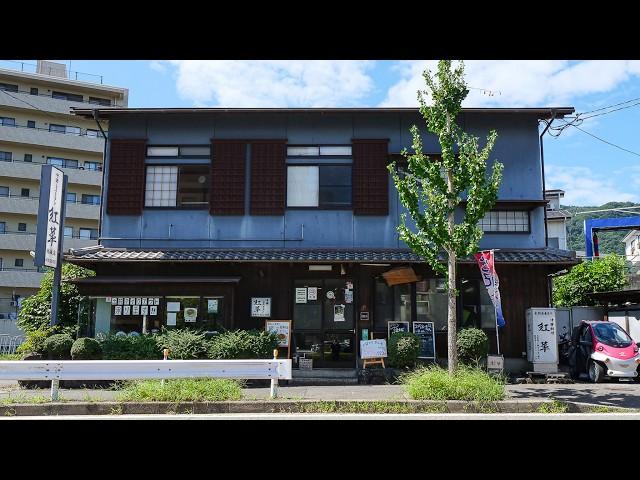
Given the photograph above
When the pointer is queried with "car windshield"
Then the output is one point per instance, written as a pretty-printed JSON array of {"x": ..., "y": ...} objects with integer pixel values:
[{"x": 612, "y": 334}]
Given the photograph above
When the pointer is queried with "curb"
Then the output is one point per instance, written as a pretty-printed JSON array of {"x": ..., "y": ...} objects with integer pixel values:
[{"x": 276, "y": 406}]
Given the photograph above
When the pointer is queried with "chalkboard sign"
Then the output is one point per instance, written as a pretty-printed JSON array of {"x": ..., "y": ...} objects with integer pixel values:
[
  {"x": 394, "y": 327},
  {"x": 424, "y": 330}
]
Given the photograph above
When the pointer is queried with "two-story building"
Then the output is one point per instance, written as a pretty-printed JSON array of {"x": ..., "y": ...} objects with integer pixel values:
[{"x": 207, "y": 212}]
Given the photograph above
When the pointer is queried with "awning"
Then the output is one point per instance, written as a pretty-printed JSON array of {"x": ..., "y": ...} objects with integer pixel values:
[
  {"x": 120, "y": 280},
  {"x": 95, "y": 255}
]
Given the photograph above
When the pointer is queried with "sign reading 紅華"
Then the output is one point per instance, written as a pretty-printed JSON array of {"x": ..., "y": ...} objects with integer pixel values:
[{"x": 50, "y": 213}]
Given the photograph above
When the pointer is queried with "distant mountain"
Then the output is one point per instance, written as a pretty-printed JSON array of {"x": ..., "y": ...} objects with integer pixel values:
[{"x": 610, "y": 242}]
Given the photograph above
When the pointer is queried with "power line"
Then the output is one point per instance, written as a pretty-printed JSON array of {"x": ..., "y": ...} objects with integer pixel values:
[
  {"x": 603, "y": 140},
  {"x": 610, "y": 106}
]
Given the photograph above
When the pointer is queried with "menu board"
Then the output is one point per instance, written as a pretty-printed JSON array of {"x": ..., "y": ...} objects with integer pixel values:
[
  {"x": 282, "y": 328},
  {"x": 373, "y": 348},
  {"x": 425, "y": 331},
  {"x": 394, "y": 327}
]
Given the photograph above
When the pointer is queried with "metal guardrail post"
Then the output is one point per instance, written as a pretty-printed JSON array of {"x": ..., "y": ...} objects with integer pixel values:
[
  {"x": 274, "y": 381},
  {"x": 165, "y": 354},
  {"x": 54, "y": 389}
]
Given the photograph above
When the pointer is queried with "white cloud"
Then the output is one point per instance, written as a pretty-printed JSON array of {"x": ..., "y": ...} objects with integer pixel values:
[
  {"x": 279, "y": 83},
  {"x": 157, "y": 66},
  {"x": 584, "y": 187},
  {"x": 520, "y": 83}
]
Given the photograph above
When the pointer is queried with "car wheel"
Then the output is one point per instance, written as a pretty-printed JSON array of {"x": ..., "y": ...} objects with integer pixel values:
[
  {"x": 637, "y": 377},
  {"x": 596, "y": 372}
]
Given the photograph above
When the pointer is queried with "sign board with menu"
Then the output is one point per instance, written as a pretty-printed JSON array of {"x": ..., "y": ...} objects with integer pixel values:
[
  {"x": 425, "y": 332},
  {"x": 282, "y": 328}
]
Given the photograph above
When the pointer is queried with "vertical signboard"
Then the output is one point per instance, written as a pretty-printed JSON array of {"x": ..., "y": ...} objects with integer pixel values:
[
  {"x": 542, "y": 343},
  {"x": 50, "y": 216},
  {"x": 426, "y": 334}
]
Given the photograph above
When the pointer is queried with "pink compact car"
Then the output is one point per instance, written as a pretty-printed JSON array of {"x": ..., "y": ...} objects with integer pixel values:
[{"x": 603, "y": 349}]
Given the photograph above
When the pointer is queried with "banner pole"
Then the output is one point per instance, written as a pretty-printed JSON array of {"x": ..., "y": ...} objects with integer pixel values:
[{"x": 495, "y": 298}]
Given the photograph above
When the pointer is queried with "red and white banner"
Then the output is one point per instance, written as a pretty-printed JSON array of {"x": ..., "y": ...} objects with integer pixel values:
[{"x": 490, "y": 279}]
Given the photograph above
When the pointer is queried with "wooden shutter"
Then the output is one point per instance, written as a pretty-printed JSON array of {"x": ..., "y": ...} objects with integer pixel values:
[
  {"x": 370, "y": 177},
  {"x": 227, "y": 177},
  {"x": 125, "y": 190},
  {"x": 268, "y": 177}
]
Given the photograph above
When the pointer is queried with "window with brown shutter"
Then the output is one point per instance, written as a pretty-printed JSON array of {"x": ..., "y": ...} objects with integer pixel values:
[
  {"x": 227, "y": 177},
  {"x": 370, "y": 177},
  {"x": 268, "y": 177},
  {"x": 125, "y": 190}
]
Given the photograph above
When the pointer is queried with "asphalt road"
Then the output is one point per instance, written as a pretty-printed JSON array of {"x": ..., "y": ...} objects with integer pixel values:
[{"x": 349, "y": 416}]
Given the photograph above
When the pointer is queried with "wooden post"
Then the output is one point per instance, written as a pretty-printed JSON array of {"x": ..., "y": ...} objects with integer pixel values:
[
  {"x": 274, "y": 381},
  {"x": 165, "y": 354}
]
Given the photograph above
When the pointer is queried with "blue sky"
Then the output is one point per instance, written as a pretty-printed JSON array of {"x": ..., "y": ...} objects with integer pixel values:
[{"x": 590, "y": 171}]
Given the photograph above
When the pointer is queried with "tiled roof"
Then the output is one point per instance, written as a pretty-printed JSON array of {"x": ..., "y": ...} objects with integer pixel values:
[
  {"x": 559, "y": 214},
  {"x": 93, "y": 254}
]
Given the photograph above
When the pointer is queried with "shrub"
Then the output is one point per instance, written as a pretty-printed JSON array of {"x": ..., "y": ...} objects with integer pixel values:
[
  {"x": 86, "y": 349},
  {"x": 34, "y": 341},
  {"x": 125, "y": 347},
  {"x": 183, "y": 343},
  {"x": 435, "y": 383},
  {"x": 404, "y": 348},
  {"x": 472, "y": 345},
  {"x": 238, "y": 344},
  {"x": 58, "y": 346},
  {"x": 181, "y": 390}
]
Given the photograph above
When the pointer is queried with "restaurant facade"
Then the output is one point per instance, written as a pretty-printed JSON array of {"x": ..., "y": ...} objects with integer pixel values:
[{"x": 230, "y": 217}]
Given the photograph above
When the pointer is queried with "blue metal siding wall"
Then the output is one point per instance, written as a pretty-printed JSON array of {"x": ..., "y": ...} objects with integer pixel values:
[{"x": 517, "y": 147}]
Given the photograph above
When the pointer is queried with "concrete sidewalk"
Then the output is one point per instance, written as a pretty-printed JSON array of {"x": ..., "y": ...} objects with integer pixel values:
[{"x": 618, "y": 394}]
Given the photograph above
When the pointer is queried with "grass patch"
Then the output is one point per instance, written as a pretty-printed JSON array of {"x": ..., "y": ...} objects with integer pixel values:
[
  {"x": 21, "y": 398},
  {"x": 10, "y": 356},
  {"x": 370, "y": 407},
  {"x": 181, "y": 390},
  {"x": 607, "y": 409},
  {"x": 470, "y": 384},
  {"x": 555, "y": 406}
]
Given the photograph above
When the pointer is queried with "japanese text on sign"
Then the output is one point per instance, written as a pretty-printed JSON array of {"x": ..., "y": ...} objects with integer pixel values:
[{"x": 54, "y": 218}]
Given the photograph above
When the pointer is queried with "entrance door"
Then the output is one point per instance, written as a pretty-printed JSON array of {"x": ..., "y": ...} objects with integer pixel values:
[{"x": 323, "y": 322}]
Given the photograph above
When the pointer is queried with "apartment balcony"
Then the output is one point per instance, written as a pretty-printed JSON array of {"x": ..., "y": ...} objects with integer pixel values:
[
  {"x": 45, "y": 103},
  {"x": 27, "y": 241},
  {"x": 21, "y": 169},
  {"x": 29, "y": 206},
  {"x": 45, "y": 138},
  {"x": 20, "y": 278}
]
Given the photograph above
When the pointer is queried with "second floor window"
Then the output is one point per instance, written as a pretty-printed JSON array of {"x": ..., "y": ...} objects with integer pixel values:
[
  {"x": 93, "y": 166},
  {"x": 7, "y": 121},
  {"x": 24, "y": 192},
  {"x": 505, "y": 221},
  {"x": 182, "y": 186},
  {"x": 68, "y": 232},
  {"x": 62, "y": 162},
  {"x": 320, "y": 186},
  {"x": 4, "y": 191},
  {"x": 5, "y": 156},
  {"x": 90, "y": 199},
  {"x": 3, "y": 227},
  {"x": 64, "y": 129},
  {"x": 88, "y": 233},
  {"x": 71, "y": 198},
  {"x": 72, "y": 97},
  {"x": 22, "y": 227}
]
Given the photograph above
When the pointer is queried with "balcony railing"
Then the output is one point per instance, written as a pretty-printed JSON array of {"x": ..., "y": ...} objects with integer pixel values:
[
  {"x": 97, "y": 168},
  {"x": 77, "y": 202},
  {"x": 22, "y": 269},
  {"x": 75, "y": 235},
  {"x": 81, "y": 134},
  {"x": 32, "y": 68}
]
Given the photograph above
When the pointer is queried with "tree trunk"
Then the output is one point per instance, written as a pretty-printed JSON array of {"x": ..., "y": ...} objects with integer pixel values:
[{"x": 451, "y": 317}]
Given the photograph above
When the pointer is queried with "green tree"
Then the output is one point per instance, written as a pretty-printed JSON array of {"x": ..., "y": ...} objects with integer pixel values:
[
  {"x": 35, "y": 313},
  {"x": 431, "y": 189},
  {"x": 601, "y": 274}
]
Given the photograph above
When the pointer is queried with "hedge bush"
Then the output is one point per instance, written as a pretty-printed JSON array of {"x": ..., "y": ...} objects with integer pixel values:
[
  {"x": 86, "y": 349},
  {"x": 404, "y": 348},
  {"x": 183, "y": 343},
  {"x": 472, "y": 345},
  {"x": 471, "y": 384},
  {"x": 125, "y": 347},
  {"x": 242, "y": 344},
  {"x": 58, "y": 346}
]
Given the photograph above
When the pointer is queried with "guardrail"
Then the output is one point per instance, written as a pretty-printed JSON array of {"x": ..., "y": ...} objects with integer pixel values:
[
  {"x": 9, "y": 343},
  {"x": 56, "y": 370}
]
